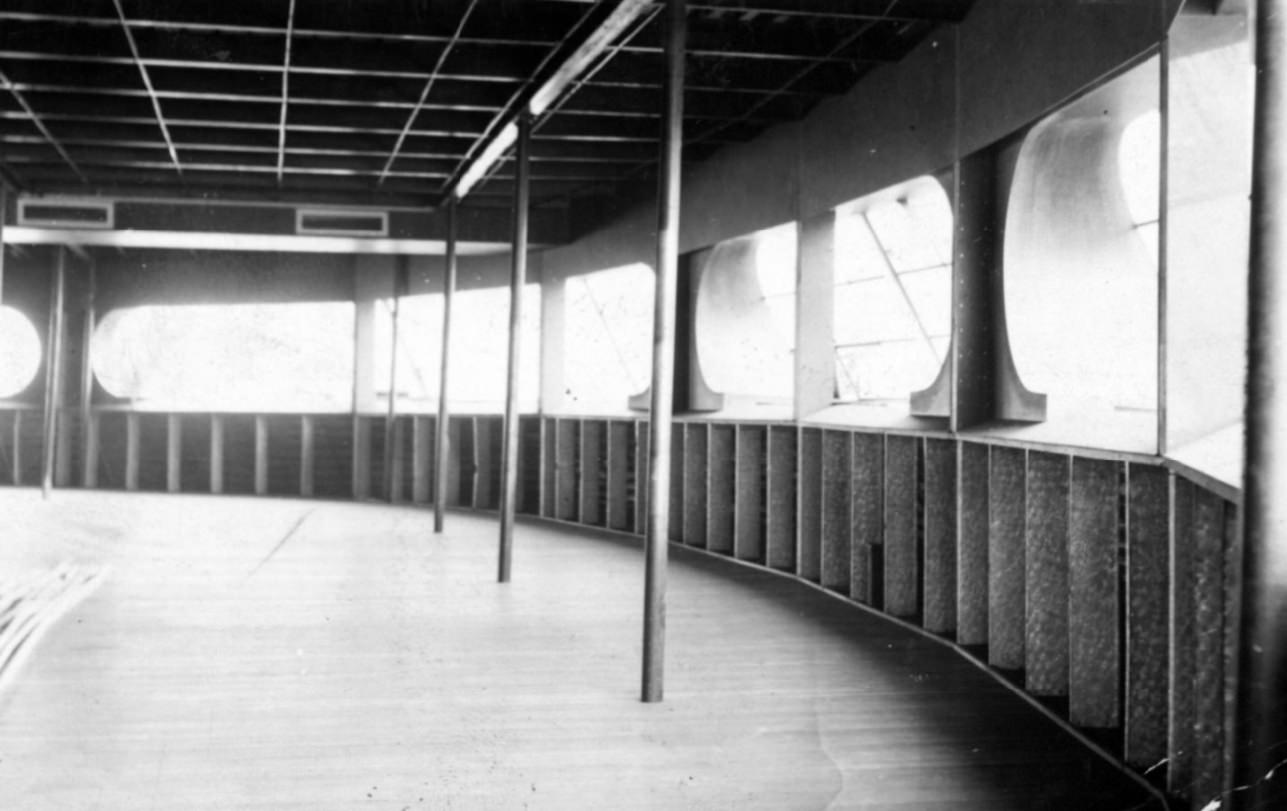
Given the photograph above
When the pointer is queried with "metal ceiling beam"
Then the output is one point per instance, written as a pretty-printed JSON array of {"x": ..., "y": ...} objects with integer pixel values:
[
  {"x": 39, "y": 124},
  {"x": 147, "y": 82},
  {"x": 254, "y": 67},
  {"x": 424, "y": 91},
  {"x": 285, "y": 100},
  {"x": 816, "y": 9}
]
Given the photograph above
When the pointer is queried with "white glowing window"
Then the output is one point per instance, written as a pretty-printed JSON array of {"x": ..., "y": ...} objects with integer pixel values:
[
  {"x": 608, "y": 336},
  {"x": 419, "y": 349},
  {"x": 1139, "y": 163},
  {"x": 892, "y": 300},
  {"x": 229, "y": 357},
  {"x": 21, "y": 357},
  {"x": 746, "y": 314}
]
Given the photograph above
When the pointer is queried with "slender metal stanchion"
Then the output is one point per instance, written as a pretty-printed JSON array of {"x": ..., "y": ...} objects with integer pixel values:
[
  {"x": 441, "y": 449},
  {"x": 88, "y": 454},
  {"x": 390, "y": 421},
  {"x": 53, "y": 372},
  {"x": 1261, "y": 720},
  {"x": 663, "y": 358},
  {"x": 518, "y": 277},
  {"x": 4, "y": 203}
]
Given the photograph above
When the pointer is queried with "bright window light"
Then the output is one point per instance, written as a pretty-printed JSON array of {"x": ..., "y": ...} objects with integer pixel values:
[
  {"x": 21, "y": 357},
  {"x": 229, "y": 357},
  {"x": 892, "y": 299}
]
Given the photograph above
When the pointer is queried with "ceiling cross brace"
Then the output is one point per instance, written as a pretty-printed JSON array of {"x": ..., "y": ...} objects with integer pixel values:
[
  {"x": 40, "y": 125},
  {"x": 147, "y": 82},
  {"x": 424, "y": 91},
  {"x": 281, "y": 128}
]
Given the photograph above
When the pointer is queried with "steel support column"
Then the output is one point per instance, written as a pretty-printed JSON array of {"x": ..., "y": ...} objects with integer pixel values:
[
  {"x": 518, "y": 277},
  {"x": 441, "y": 444},
  {"x": 53, "y": 372},
  {"x": 390, "y": 422},
  {"x": 663, "y": 356},
  {"x": 1262, "y": 696}
]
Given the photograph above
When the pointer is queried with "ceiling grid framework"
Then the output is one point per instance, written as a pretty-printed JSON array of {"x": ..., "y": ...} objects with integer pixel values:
[{"x": 386, "y": 102}]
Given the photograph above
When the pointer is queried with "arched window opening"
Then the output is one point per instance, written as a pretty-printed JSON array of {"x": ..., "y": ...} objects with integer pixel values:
[
  {"x": 892, "y": 301},
  {"x": 1080, "y": 275},
  {"x": 228, "y": 357},
  {"x": 745, "y": 315},
  {"x": 479, "y": 349},
  {"x": 1139, "y": 167},
  {"x": 21, "y": 358},
  {"x": 418, "y": 354},
  {"x": 608, "y": 337}
]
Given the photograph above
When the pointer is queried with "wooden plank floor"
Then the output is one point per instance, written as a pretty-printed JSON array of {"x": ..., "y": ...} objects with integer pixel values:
[{"x": 281, "y": 654}]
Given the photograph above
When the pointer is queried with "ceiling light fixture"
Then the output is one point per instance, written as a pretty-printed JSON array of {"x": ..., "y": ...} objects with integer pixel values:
[
  {"x": 626, "y": 12},
  {"x": 617, "y": 22}
]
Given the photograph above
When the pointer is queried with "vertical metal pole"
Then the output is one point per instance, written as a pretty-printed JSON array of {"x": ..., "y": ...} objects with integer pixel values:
[
  {"x": 663, "y": 357},
  {"x": 87, "y": 433},
  {"x": 53, "y": 372},
  {"x": 390, "y": 435},
  {"x": 440, "y": 448},
  {"x": 1261, "y": 720},
  {"x": 518, "y": 277},
  {"x": 4, "y": 205}
]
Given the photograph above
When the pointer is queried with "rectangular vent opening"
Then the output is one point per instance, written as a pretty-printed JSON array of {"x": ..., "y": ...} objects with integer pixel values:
[
  {"x": 342, "y": 223},
  {"x": 67, "y": 213}
]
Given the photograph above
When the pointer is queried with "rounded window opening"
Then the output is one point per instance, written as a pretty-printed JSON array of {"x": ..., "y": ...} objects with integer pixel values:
[
  {"x": 608, "y": 337},
  {"x": 1080, "y": 265},
  {"x": 228, "y": 357},
  {"x": 22, "y": 352},
  {"x": 893, "y": 292},
  {"x": 745, "y": 315}
]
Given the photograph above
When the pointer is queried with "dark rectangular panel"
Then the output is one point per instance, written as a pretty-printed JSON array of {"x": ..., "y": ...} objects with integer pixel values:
[
  {"x": 593, "y": 474},
  {"x": 489, "y": 436},
  {"x": 1214, "y": 525},
  {"x": 620, "y": 445},
  {"x": 154, "y": 436},
  {"x": 902, "y": 559},
  {"x": 1181, "y": 714},
  {"x": 1147, "y": 659},
  {"x": 940, "y": 536},
  {"x": 837, "y": 523},
  {"x": 462, "y": 468},
  {"x": 1046, "y": 575},
  {"x": 677, "y": 483},
  {"x": 406, "y": 439},
  {"x": 31, "y": 447},
  {"x": 695, "y": 445},
  {"x": 284, "y": 444},
  {"x": 423, "y": 433},
  {"x": 238, "y": 454},
  {"x": 972, "y": 548},
  {"x": 867, "y": 485},
  {"x": 529, "y": 465},
  {"x": 750, "y": 500},
  {"x": 112, "y": 442},
  {"x": 333, "y": 456},
  {"x": 721, "y": 488},
  {"x": 376, "y": 440},
  {"x": 780, "y": 508},
  {"x": 549, "y": 466},
  {"x": 1006, "y": 510},
  {"x": 639, "y": 490},
  {"x": 809, "y": 539},
  {"x": 7, "y": 446},
  {"x": 567, "y": 465},
  {"x": 1094, "y": 627},
  {"x": 194, "y": 453}
]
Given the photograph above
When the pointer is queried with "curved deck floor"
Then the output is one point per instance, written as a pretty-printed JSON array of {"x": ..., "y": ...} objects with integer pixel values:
[{"x": 284, "y": 654}]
